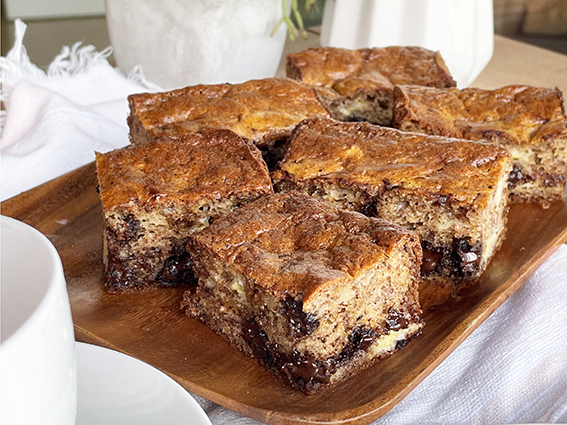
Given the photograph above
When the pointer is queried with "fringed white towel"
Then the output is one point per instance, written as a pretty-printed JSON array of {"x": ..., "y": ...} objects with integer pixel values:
[{"x": 54, "y": 121}]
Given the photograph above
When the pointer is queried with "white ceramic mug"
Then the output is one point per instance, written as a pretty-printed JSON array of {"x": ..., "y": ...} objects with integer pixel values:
[{"x": 38, "y": 372}]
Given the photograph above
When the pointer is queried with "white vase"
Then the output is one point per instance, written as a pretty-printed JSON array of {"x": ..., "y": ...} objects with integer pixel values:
[
  {"x": 461, "y": 30},
  {"x": 186, "y": 42}
]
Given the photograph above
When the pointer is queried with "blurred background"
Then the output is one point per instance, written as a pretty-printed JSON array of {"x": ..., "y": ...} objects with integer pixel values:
[{"x": 56, "y": 23}]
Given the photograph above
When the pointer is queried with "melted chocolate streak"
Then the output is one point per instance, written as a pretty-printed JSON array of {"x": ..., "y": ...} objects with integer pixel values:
[{"x": 305, "y": 371}]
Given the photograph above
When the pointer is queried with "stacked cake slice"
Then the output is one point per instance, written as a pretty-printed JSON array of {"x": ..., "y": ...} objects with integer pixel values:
[
  {"x": 357, "y": 85},
  {"x": 264, "y": 111},
  {"x": 451, "y": 192},
  {"x": 313, "y": 292}
]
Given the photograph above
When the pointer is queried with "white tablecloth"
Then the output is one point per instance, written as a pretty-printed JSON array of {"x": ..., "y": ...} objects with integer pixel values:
[{"x": 512, "y": 369}]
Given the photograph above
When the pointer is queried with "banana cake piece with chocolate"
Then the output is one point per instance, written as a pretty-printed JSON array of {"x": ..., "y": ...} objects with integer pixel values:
[
  {"x": 264, "y": 111},
  {"x": 155, "y": 195},
  {"x": 529, "y": 122},
  {"x": 313, "y": 292},
  {"x": 451, "y": 192},
  {"x": 357, "y": 85}
]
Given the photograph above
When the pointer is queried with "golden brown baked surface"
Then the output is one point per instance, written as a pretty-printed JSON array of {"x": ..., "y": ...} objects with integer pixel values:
[
  {"x": 197, "y": 169},
  {"x": 512, "y": 114},
  {"x": 347, "y": 71},
  {"x": 260, "y": 110},
  {"x": 529, "y": 122},
  {"x": 379, "y": 159},
  {"x": 290, "y": 243}
]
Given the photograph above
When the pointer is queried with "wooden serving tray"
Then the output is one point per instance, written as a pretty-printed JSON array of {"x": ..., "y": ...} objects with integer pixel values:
[{"x": 152, "y": 328}]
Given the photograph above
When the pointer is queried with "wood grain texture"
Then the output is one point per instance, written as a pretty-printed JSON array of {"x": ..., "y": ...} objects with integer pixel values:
[{"x": 151, "y": 327}]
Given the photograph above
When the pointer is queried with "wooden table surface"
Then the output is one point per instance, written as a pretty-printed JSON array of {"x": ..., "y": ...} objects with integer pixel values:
[{"x": 513, "y": 62}]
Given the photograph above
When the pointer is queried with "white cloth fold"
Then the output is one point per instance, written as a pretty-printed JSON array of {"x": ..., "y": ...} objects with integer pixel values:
[
  {"x": 54, "y": 121},
  {"x": 512, "y": 369}
]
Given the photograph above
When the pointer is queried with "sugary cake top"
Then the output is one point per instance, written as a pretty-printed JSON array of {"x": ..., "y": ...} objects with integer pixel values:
[
  {"x": 377, "y": 159},
  {"x": 515, "y": 114},
  {"x": 290, "y": 243},
  {"x": 346, "y": 70},
  {"x": 198, "y": 169},
  {"x": 259, "y": 110}
]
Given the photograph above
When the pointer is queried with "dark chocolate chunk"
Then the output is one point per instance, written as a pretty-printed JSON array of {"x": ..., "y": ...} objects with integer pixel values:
[
  {"x": 257, "y": 339},
  {"x": 301, "y": 323},
  {"x": 550, "y": 180},
  {"x": 431, "y": 258},
  {"x": 461, "y": 260},
  {"x": 396, "y": 320},
  {"x": 517, "y": 176},
  {"x": 359, "y": 339},
  {"x": 465, "y": 257},
  {"x": 369, "y": 208},
  {"x": 401, "y": 344},
  {"x": 177, "y": 268},
  {"x": 128, "y": 231},
  {"x": 308, "y": 369}
]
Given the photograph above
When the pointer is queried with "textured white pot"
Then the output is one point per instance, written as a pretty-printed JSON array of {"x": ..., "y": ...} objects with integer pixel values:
[
  {"x": 180, "y": 43},
  {"x": 461, "y": 30}
]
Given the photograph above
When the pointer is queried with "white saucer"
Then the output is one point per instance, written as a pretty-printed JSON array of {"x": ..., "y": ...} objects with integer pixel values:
[{"x": 116, "y": 389}]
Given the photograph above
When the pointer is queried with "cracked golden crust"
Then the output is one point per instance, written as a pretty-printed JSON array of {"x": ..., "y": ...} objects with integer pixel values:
[
  {"x": 377, "y": 159},
  {"x": 196, "y": 169},
  {"x": 292, "y": 244},
  {"x": 348, "y": 71},
  {"x": 260, "y": 110},
  {"x": 510, "y": 115}
]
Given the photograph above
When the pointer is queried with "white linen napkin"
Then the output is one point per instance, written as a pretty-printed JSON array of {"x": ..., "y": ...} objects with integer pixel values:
[
  {"x": 54, "y": 121},
  {"x": 512, "y": 369}
]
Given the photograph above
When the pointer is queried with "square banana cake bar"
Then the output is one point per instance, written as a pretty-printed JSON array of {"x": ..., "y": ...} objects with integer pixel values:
[
  {"x": 264, "y": 111},
  {"x": 313, "y": 292},
  {"x": 451, "y": 192},
  {"x": 155, "y": 195},
  {"x": 528, "y": 121},
  {"x": 357, "y": 85}
]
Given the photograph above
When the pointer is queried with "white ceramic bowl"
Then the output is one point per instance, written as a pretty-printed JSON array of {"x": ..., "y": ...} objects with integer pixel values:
[{"x": 38, "y": 372}]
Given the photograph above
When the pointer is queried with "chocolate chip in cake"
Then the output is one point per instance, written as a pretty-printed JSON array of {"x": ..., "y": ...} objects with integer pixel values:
[
  {"x": 396, "y": 319},
  {"x": 431, "y": 258},
  {"x": 301, "y": 323}
]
